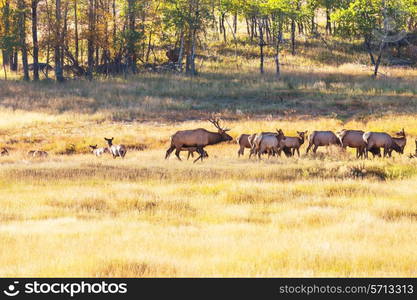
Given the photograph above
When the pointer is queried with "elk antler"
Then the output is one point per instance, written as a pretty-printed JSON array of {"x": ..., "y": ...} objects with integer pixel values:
[{"x": 215, "y": 122}]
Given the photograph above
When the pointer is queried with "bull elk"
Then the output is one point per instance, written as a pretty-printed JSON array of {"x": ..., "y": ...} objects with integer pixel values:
[
  {"x": 400, "y": 140},
  {"x": 197, "y": 138}
]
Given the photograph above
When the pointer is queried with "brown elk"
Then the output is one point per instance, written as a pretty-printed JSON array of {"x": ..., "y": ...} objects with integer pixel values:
[
  {"x": 243, "y": 142},
  {"x": 293, "y": 143},
  {"x": 4, "y": 152},
  {"x": 354, "y": 139},
  {"x": 269, "y": 143},
  {"x": 401, "y": 140},
  {"x": 322, "y": 138},
  {"x": 198, "y": 138},
  {"x": 116, "y": 150},
  {"x": 380, "y": 140},
  {"x": 191, "y": 151}
]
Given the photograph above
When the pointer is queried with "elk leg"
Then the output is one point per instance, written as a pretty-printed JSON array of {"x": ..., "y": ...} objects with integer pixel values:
[
  {"x": 315, "y": 148},
  {"x": 298, "y": 151},
  {"x": 308, "y": 148},
  {"x": 169, "y": 151},
  {"x": 177, "y": 154},
  {"x": 201, "y": 152}
]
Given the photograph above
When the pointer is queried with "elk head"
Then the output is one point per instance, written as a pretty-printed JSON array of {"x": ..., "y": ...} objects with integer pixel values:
[
  {"x": 222, "y": 131},
  {"x": 93, "y": 147},
  {"x": 109, "y": 141},
  {"x": 401, "y": 133},
  {"x": 302, "y": 134}
]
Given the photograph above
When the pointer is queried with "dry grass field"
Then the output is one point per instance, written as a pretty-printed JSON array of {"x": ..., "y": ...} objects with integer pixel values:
[{"x": 73, "y": 214}]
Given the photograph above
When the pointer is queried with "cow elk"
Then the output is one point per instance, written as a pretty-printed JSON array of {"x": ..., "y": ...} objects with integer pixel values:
[
  {"x": 400, "y": 140},
  {"x": 353, "y": 139},
  {"x": 322, "y": 138},
  {"x": 243, "y": 142},
  {"x": 380, "y": 140},
  {"x": 198, "y": 138},
  {"x": 116, "y": 150},
  {"x": 269, "y": 143},
  {"x": 293, "y": 143}
]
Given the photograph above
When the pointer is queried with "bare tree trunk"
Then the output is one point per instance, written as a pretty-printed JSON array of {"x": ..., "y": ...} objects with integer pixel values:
[
  {"x": 328, "y": 23},
  {"x": 90, "y": 40},
  {"x": 22, "y": 39},
  {"x": 131, "y": 51},
  {"x": 277, "y": 51},
  {"x": 292, "y": 36},
  {"x": 58, "y": 62},
  {"x": 261, "y": 46},
  {"x": 235, "y": 23},
  {"x": 181, "y": 52},
  {"x": 76, "y": 41},
  {"x": 35, "y": 40},
  {"x": 6, "y": 25},
  {"x": 378, "y": 61}
]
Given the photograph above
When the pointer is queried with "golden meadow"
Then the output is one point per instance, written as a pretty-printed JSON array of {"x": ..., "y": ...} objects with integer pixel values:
[{"x": 73, "y": 214}]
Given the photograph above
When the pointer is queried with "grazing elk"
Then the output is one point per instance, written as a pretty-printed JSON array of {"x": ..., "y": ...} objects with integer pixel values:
[
  {"x": 269, "y": 143},
  {"x": 38, "y": 153},
  {"x": 380, "y": 140},
  {"x": 98, "y": 151},
  {"x": 198, "y": 138},
  {"x": 292, "y": 143},
  {"x": 243, "y": 142},
  {"x": 116, "y": 150},
  {"x": 4, "y": 152},
  {"x": 354, "y": 139},
  {"x": 322, "y": 138},
  {"x": 401, "y": 140}
]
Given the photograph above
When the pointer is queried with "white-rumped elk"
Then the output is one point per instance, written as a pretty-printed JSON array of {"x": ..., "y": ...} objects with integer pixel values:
[
  {"x": 380, "y": 140},
  {"x": 4, "y": 152},
  {"x": 292, "y": 143},
  {"x": 99, "y": 151},
  {"x": 353, "y": 139},
  {"x": 269, "y": 143},
  {"x": 322, "y": 138},
  {"x": 37, "y": 153},
  {"x": 116, "y": 150},
  {"x": 198, "y": 138}
]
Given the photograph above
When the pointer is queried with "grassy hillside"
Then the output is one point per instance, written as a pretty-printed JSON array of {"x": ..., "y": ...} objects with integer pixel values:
[{"x": 73, "y": 214}]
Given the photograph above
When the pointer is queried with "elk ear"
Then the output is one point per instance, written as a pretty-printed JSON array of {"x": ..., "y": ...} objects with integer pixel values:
[{"x": 305, "y": 132}]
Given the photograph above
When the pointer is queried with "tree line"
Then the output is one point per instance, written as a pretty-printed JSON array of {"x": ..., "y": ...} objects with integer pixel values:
[{"x": 86, "y": 37}]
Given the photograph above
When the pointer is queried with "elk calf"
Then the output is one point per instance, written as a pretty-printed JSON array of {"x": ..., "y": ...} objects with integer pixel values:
[
  {"x": 293, "y": 143},
  {"x": 116, "y": 150},
  {"x": 98, "y": 151}
]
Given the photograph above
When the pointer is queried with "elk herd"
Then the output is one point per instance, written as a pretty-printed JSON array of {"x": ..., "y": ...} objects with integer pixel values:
[
  {"x": 274, "y": 143},
  {"x": 270, "y": 143}
]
